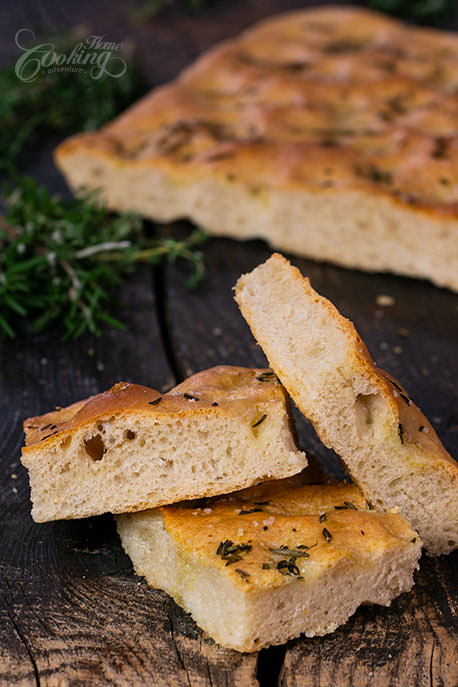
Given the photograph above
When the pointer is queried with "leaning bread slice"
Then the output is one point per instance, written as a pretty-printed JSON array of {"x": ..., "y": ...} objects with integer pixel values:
[
  {"x": 132, "y": 448},
  {"x": 386, "y": 443},
  {"x": 261, "y": 567}
]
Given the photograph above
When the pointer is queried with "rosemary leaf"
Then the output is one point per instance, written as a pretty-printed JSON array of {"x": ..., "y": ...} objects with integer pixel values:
[{"x": 61, "y": 259}]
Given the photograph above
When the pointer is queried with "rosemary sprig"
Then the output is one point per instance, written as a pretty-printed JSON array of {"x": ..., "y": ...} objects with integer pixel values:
[
  {"x": 421, "y": 11},
  {"x": 150, "y": 8},
  {"x": 60, "y": 259},
  {"x": 59, "y": 102}
]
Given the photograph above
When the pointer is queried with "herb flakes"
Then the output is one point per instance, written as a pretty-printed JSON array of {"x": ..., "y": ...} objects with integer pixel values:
[
  {"x": 230, "y": 552},
  {"x": 327, "y": 535},
  {"x": 299, "y": 552},
  {"x": 266, "y": 377},
  {"x": 288, "y": 567},
  {"x": 258, "y": 422},
  {"x": 155, "y": 402},
  {"x": 347, "y": 505},
  {"x": 250, "y": 510},
  {"x": 244, "y": 575}
]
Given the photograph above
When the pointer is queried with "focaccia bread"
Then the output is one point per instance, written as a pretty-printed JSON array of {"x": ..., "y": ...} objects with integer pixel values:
[
  {"x": 132, "y": 448},
  {"x": 388, "y": 446},
  {"x": 330, "y": 132},
  {"x": 259, "y": 568}
]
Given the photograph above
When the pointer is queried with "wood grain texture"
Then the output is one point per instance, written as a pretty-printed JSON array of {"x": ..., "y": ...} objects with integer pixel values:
[
  {"x": 72, "y": 611},
  {"x": 414, "y": 643}
]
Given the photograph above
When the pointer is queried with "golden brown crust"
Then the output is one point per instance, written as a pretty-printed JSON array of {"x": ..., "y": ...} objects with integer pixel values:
[
  {"x": 222, "y": 389},
  {"x": 324, "y": 100},
  {"x": 320, "y": 526}
]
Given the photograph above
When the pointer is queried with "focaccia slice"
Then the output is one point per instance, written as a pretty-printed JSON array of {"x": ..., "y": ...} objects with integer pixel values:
[
  {"x": 132, "y": 448},
  {"x": 261, "y": 567},
  {"x": 329, "y": 131},
  {"x": 388, "y": 446}
]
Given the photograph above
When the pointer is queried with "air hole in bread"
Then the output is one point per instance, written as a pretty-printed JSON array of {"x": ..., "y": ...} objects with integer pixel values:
[
  {"x": 65, "y": 443},
  {"x": 130, "y": 434},
  {"x": 366, "y": 406},
  {"x": 95, "y": 447},
  {"x": 100, "y": 427}
]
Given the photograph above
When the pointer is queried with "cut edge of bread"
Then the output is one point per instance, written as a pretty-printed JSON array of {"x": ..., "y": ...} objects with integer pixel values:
[
  {"x": 124, "y": 451},
  {"x": 328, "y": 225},
  {"x": 247, "y": 618},
  {"x": 388, "y": 446}
]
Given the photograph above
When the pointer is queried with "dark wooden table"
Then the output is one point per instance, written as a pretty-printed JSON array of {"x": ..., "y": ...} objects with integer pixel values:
[{"x": 73, "y": 613}]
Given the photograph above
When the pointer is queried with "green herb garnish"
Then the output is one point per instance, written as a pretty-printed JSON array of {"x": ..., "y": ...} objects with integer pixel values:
[
  {"x": 299, "y": 552},
  {"x": 288, "y": 567},
  {"x": 230, "y": 552},
  {"x": 61, "y": 259},
  {"x": 251, "y": 510},
  {"x": 327, "y": 535},
  {"x": 59, "y": 102},
  {"x": 401, "y": 432},
  {"x": 244, "y": 575},
  {"x": 265, "y": 377},
  {"x": 346, "y": 506},
  {"x": 258, "y": 422},
  {"x": 190, "y": 397}
]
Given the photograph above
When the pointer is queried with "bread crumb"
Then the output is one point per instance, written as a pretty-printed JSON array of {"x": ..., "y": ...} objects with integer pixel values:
[
  {"x": 397, "y": 350},
  {"x": 384, "y": 300},
  {"x": 403, "y": 332}
]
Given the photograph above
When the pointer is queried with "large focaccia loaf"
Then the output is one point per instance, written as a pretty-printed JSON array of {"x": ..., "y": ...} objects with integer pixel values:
[
  {"x": 331, "y": 132},
  {"x": 388, "y": 446},
  {"x": 132, "y": 448},
  {"x": 262, "y": 566}
]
